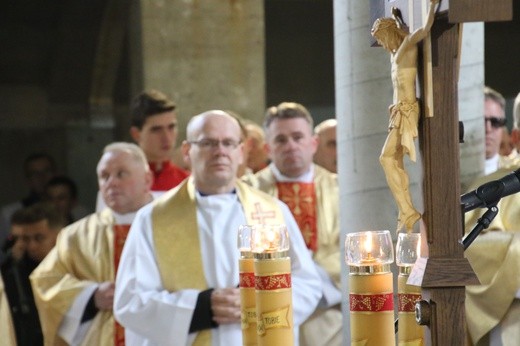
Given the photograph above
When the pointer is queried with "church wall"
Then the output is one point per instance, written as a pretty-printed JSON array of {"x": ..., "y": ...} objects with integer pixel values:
[
  {"x": 300, "y": 55},
  {"x": 210, "y": 55},
  {"x": 205, "y": 54}
]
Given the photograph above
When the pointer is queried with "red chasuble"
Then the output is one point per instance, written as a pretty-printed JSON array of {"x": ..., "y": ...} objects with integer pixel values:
[
  {"x": 301, "y": 200},
  {"x": 120, "y": 234}
]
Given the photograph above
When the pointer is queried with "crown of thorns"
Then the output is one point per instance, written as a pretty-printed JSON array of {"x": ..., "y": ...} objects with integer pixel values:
[{"x": 383, "y": 24}]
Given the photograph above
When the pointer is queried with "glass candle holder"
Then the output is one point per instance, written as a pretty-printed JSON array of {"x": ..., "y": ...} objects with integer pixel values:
[
  {"x": 247, "y": 286},
  {"x": 407, "y": 251},
  {"x": 369, "y": 255},
  {"x": 269, "y": 240}
]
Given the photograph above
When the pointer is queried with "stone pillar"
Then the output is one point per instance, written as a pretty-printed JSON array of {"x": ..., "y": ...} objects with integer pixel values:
[
  {"x": 363, "y": 94},
  {"x": 205, "y": 54},
  {"x": 471, "y": 103}
]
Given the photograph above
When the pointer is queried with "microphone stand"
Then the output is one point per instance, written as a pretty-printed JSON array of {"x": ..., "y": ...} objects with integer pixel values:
[{"x": 481, "y": 225}]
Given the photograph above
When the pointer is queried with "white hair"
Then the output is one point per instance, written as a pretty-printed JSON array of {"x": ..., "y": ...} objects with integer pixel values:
[{"x": 130, "y": 148}]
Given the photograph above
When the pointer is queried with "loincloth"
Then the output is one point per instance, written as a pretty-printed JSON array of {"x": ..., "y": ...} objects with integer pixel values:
[{"x": 404, "y": 117}]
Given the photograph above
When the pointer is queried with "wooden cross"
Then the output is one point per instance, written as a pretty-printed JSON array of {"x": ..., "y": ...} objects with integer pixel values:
[
  {"x": 261, "y": 215},
  {"x": 445, "y": 273}
]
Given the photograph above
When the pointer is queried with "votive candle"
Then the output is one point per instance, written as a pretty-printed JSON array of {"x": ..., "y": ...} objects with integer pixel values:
[
  {"x": 270, "y": 245},
  {"x": 247, "y": 286},
  {"x": 369, "y": 255},
  {"x": 407, "y": 251}
]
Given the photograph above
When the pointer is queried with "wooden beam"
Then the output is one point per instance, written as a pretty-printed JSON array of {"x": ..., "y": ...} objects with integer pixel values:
[
  {"x": 439, "y": 142},
  {"x": 480, "y": 10}
]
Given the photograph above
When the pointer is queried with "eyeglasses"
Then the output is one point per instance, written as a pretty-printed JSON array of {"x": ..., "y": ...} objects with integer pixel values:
[
  {"x": 209, "y": 143},
  {"x": 495, "y": 122}
]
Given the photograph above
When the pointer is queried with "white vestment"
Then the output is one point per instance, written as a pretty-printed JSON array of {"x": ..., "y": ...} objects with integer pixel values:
[{"x": 153, "y": 316}]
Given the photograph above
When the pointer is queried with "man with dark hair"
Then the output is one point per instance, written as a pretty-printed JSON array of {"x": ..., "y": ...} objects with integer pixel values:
[
  {"x": 38, "y": 169},
  {"x": 154, "y": 129},
  {"x": 62, "y": 191},
  {"x": 311, "y": 192},
  {"x": 40, "y": 225}
]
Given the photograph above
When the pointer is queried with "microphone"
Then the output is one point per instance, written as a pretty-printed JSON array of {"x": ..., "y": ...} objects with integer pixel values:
[{"x": 490, "y": 193}]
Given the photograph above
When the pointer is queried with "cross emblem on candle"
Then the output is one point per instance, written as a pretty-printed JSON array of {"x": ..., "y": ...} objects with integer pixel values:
[{"x": 261, "y": 215}]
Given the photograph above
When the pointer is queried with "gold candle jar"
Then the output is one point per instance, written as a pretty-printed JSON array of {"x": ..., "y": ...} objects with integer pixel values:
[
  {"x": 270, "y": 245},
  {"x": 407, "y": 251},
  {"x": 369, "y": 255},
  {"x": 247, "y": 286}
]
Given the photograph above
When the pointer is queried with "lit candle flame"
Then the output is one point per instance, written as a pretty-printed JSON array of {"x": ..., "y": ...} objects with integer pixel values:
[
  {"x": 271, "y": 238},
  {"x": 368, "y": 244}
]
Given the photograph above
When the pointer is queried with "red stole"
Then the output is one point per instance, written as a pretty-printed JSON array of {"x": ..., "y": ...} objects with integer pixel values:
[
  {"x": 301, "y": 200},
  {"x": 120, "y": 234}
]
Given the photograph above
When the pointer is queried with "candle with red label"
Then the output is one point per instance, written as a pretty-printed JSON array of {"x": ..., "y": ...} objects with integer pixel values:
[
  {"x": 369, "y": 255},
  {"x": 270, "y": 246},
  {"x": 407, "y": 251},
  {"x": 247, "y": 286}
]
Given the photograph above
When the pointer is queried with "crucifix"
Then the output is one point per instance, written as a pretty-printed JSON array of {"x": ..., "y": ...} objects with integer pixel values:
[{"x": 444, "y": 274}]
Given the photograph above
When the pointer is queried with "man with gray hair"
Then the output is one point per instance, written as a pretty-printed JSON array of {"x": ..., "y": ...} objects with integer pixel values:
[
  {"x": 74, "y": 285},
  {"x": 326, "y": 155}
]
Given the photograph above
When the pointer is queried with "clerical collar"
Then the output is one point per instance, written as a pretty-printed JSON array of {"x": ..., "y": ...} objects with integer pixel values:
[
  {"x": 491, "y": 165},
  {"x": 307, "y": 177},
  {"x": 124, "y": 219},
  {"x": 219, "y": 201},
  {"x": 232, "y": 192}
]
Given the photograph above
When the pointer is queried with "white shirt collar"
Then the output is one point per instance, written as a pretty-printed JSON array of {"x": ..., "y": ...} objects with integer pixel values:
[
  {"x": 124, "y": 219},
  {"x": 208, "y": 200},
  {"x": 491, "y": 165},
  {"x": 307, "y": 177}
]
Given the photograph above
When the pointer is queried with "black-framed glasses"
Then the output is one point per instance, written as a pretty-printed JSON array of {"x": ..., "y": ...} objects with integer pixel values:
[
  {"x": 210, "y": 143},
  {"x": 495, "y": 122}
]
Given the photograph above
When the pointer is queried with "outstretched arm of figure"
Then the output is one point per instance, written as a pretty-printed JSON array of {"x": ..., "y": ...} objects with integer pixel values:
[{"x": 419, "y": 34}]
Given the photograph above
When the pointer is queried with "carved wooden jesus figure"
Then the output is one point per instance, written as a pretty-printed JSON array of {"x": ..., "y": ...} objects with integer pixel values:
[{"x": 404, "y": 112}]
